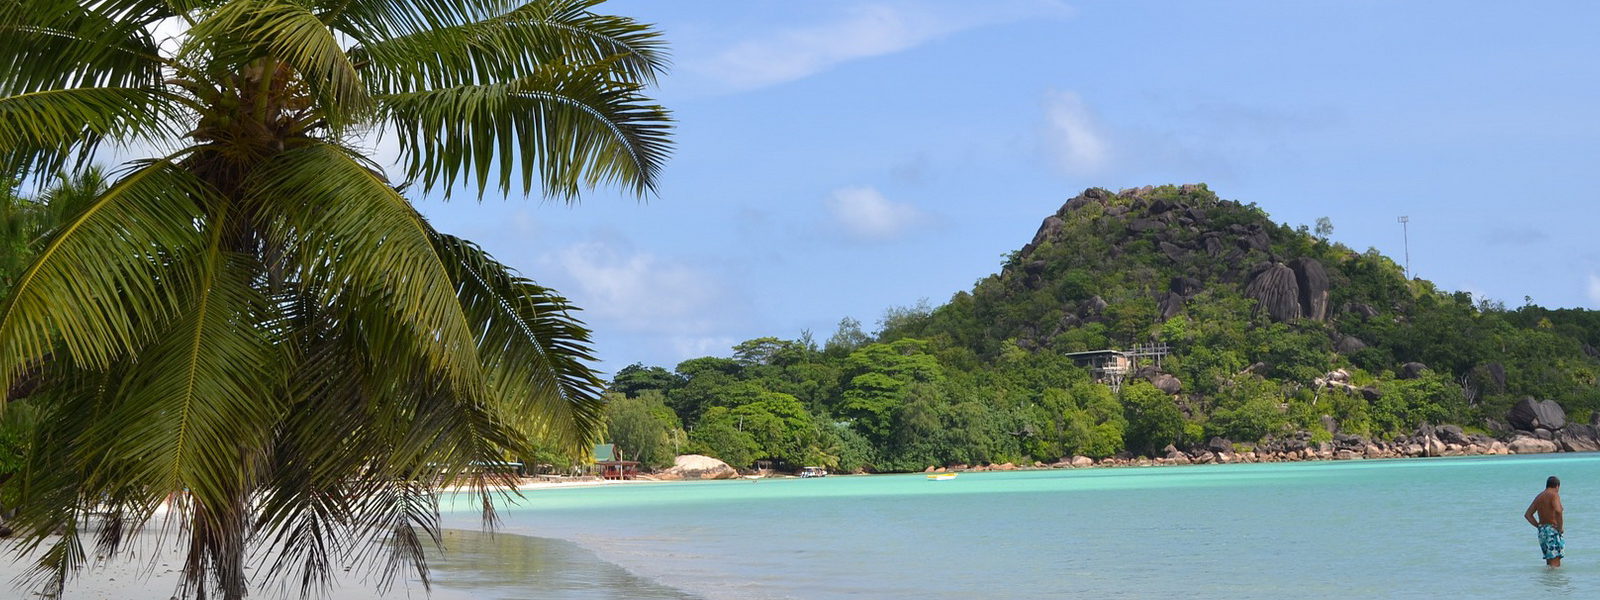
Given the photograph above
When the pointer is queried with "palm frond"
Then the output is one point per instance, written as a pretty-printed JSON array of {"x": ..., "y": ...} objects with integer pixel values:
[
  {"x": 96, "y": 286},
  {"x": 571, "y": 128},
  {"x": 64, "y": 44},
  {"x": 514, "y": 45},
  {"x": 204, "y": 392},
  {"x": 369, "y": 20},
  {"x": 348, "y": 231},
  {"x": 535, "y": 354},
  {"x": 40, "y": 131}
]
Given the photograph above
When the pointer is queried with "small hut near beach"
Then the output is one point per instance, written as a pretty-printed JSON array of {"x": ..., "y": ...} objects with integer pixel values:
[{"x": 608, "y": 463}]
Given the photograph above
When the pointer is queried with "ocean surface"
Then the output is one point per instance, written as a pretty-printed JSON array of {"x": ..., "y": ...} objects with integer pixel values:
[{"x": 1426, "y": 528}]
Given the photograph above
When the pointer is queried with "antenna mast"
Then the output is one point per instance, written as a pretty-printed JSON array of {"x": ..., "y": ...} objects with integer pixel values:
[{"x": 1405, "y": 233}]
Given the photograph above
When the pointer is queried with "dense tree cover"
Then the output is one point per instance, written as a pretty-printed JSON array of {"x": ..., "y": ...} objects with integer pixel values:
[
  {"x": 255, "y": 321},
  {"x": 984, "y": 377},
  {"x": 643, "y": 428}
]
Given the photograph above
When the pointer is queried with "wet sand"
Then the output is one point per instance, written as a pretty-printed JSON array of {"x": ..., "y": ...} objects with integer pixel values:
[{"x": 472, "y": 565}]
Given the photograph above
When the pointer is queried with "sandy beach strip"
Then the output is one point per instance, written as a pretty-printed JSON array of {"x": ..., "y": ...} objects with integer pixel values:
[{"x": 151, "y": 570}]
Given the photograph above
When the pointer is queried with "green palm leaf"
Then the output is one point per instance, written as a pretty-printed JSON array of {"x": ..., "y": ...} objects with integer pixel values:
[
  {"x": 94, "y": 286},
  {"x": 535, "y": 352},
  {"x": 512, "y": 46},
  {"x": 260, "y": 325},
  {"x": 65, "y": 44},
  {"x": 574, "y": 130},
  {"x": 40, "y": 131},
  {"x": 367, "y": 20},
  {"x": 344, "y": 227}
]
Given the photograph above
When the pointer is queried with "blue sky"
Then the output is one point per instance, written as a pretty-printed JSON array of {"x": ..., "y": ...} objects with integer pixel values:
[{"x": 838, "y": 158}]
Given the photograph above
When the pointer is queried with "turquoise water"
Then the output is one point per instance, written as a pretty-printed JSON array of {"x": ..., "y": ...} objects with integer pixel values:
[{"x": 1377, "y": 529}]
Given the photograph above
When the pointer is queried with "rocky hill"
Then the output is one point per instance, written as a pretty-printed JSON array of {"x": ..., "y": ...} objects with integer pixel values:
[
  {"x": 1250, "y": 306},
  {"x": 1282, "y": 344}
]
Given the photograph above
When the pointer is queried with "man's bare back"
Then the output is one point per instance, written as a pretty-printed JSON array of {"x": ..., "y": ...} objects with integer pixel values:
[{"x": 1546, "y": 511}]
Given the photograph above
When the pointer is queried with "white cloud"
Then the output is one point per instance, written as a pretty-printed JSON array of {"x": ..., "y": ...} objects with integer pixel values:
[
  {"x": 1594, "y": 290},
  {"x": 864, "y": 213},
  {"x": 1075, "y": 137},
  {"x": 687, "y": 347},
  {"x": 640, "y": 292},
  {"x": 864, "y": 31}
]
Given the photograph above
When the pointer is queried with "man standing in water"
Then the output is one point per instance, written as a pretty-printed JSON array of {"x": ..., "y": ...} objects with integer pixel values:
[{"x": 1547, "y": 505}]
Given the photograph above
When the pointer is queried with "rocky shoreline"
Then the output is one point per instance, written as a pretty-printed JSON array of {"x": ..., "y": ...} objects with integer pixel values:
[
  {"x": 1531, "y": 427},
  {"x": 1428, "y": 442}
]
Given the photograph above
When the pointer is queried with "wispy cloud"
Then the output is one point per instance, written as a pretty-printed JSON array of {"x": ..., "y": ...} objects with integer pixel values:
[
  {"x": 638, "y": 292},
  {"x": 696, "y": 346},
  {"x": 863, "y": 213},
  {"x": 863, "y": 31},
  {"x": 1594, "y": 290},
  {"x": 1075, "y": 137}
]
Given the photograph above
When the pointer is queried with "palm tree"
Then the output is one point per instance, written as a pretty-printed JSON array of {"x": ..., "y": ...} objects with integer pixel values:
[{"x": 254, "y": 323}]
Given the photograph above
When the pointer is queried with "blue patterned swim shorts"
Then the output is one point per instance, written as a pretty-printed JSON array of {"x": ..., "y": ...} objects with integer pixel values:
[{"x": 1551, "y": 542}]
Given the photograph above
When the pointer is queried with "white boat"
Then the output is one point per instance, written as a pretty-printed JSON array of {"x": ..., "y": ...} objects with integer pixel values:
[
  {"x": 941, "y": 476},
  {"x": 813, "y": 472}
]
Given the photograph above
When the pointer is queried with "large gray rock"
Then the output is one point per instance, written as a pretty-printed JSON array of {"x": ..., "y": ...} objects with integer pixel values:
[
  {"x": 1047, "y": 231},
  {"x": 1093, "y": 306},
  {"x": 695, "y": 466},
  {"x": 1184, "y": 286},
  {"x": 1255, "y": 240},
  {"x": 1349, "y": 344},
  {"x": 1220, "y": 445},
  {"x": 1578, "y": 438},
  {"x": 1276, "y": 292},
  {"x": 1312, "y": 280},
  {"x": 1168, "y": 384},
  {"x": 1170, "y": 306},
  {"x": 1362, "y": 309},
  {"x": 1089, "y": 196},
  {"x": 1412, "y": 370},
  {"x": 1529, "y": 414},
  {"x": 1143, "y": 225},
  {"x": 1529, "y": 445},
  {"x": 1174, "y": 252},
  {"x": 1451, "y": 434}
]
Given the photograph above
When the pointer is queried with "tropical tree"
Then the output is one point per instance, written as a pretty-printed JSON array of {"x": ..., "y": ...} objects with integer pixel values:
[
  {"x": 24, "y": 221},
  {"x": 255, "y": 320}
]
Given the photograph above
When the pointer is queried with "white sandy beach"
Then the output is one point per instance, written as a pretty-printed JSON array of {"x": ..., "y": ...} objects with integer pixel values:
[{"x": 150, "y": 572}]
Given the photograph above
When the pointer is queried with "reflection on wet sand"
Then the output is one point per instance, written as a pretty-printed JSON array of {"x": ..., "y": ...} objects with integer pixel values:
[{"x": 513, "y": 567}]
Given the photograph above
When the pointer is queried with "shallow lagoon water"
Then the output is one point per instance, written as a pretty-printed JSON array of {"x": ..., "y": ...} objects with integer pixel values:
[{"x": 1361, "y": 529}]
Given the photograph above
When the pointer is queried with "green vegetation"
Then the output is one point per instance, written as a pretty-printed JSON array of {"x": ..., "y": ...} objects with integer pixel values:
[
  {"x": 984, "y": 379},
  {"x": 258, "y": 322}
]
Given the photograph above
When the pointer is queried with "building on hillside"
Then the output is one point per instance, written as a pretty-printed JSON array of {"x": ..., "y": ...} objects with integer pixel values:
[{"x": 1112, "y": 367}]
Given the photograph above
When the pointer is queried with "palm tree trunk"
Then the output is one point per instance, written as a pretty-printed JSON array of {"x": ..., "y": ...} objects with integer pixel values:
[{"x": 217, "y": 549}]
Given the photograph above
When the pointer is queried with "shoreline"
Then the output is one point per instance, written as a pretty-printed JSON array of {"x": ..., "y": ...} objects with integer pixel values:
[
  {"x": 473, "y": 564},
  {"x": 469, "y": 565},
  {"x": 1427, "y": 442}
]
